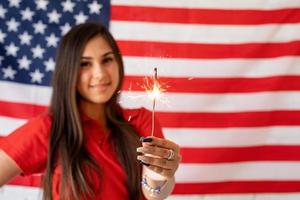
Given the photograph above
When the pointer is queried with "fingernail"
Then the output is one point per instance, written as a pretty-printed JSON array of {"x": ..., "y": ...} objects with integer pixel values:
[
  {"x": 139, "y": 157},
  {"x": 147, "y": 140},
  {"x": 146, "y": 164},
  {"x": 141, "y": 139},
  {"x": 139, "y": 149}
]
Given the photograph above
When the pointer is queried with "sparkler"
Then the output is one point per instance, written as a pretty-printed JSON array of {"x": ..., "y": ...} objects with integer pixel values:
[{"x": 154, "y": 90}]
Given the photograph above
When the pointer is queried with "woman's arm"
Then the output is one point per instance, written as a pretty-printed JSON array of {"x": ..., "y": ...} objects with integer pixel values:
[{"x": 8, "y": 168}]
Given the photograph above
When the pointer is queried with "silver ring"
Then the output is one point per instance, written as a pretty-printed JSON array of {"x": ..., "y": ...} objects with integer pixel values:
[{"x": 171, "y": 154}]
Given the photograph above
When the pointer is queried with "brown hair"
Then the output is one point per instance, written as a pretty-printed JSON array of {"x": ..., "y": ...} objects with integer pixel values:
[{"x": 66, "y": 135}]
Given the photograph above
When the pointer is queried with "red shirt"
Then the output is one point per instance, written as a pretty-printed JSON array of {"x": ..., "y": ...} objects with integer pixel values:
[{"x": 28, "y": 147}]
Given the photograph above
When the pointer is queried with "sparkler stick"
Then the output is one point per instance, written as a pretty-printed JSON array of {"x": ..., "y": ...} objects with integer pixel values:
[{"x": 155, "y": 87}]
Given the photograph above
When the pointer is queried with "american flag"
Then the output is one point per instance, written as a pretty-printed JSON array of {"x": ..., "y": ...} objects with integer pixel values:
[{"x": 233, "y": 68}]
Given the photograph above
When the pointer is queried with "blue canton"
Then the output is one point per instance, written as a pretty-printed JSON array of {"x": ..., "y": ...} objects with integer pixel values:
[{"x": 30, "y": 31}]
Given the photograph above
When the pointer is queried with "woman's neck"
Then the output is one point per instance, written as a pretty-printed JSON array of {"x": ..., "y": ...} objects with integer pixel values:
[{"x": 95, "y": 112}]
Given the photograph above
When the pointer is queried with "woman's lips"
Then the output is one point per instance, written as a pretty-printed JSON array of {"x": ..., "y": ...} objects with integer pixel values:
[{"x": 100, "y": 86}]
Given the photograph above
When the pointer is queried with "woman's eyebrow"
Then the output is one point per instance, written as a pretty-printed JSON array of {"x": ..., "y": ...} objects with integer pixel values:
[
  {"x": 104, "y": 55},
  {"x": 85, "y": 58},
  {"x": 107, "y": 53}
]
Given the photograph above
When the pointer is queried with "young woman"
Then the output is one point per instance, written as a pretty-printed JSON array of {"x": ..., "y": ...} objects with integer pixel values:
[{"x": 87, "y": 146}]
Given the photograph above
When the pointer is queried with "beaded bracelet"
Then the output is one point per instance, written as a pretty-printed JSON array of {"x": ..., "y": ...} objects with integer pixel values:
[{"x": 149, "y": 188}]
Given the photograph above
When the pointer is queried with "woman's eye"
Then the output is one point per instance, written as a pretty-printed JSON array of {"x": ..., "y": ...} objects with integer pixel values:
[
  {"x": 107, "y": 60},
  {"x": 84, "y": 64}
]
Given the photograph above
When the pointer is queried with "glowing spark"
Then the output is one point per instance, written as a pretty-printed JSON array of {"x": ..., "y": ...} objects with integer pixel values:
[{"x": 129, "y": 118}]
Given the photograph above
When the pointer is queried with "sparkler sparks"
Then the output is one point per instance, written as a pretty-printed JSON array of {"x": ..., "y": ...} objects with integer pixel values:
[{"x": 154, "y": 89}]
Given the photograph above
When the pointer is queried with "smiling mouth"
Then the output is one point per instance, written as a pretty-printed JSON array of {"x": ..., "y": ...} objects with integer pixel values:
[{"x": 100, "y": 86}]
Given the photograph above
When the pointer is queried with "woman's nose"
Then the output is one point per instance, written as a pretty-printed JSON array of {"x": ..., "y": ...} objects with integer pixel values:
[{"x": 98, "y": 71}]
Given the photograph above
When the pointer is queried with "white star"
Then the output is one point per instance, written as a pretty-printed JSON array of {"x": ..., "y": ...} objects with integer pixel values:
[
  {"x": 12, "y": 49},
  {"x": 12, "y": 25},
  {"x": 14, "y": 3},
  {"x": 52, "y": 40},
  {"x": 68, "y": 6},
  {"x": 95, "y": 7},
  {"x": 2, "y": 36},
  {"x": 9, "y": 73},
  {"x": 24, "y": 63},
  {"x": 38, "y": 51},
  {"x": 25, "y": 38},
  {"x": 50, "y": 64},
  {"x": 27, "y": 14},
  {"x": 54, "y": 16},
  {"x": 65, "y": 28},
  {"x": 36, "y": 76},
  {"x": 39, "y": 27},
  {"x": 80, "y": 18},
  {"x": 2, "y": 12},
  {"x": 41, "y": 4}
]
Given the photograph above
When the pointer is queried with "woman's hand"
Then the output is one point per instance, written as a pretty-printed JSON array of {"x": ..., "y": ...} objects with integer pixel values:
[{"x": 160, "y": 155}]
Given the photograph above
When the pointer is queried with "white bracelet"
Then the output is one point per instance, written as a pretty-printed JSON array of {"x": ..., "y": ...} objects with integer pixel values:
[
  {"x": 153, "y": 191},
  {"x": 150, "y": 189}
]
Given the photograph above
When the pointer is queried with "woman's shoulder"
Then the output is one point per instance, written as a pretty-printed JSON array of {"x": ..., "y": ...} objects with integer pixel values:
[
  {"x": 41, "y": 120},
  {"x": 36, "y": 125}
]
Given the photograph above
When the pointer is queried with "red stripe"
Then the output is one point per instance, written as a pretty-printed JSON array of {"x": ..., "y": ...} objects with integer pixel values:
[
  {"x": 208, "y": 51},
  {"x": 237, "y": 187},
  {"x": 219, "y": 85},
  {"x": 20, "y": 110},
  {"x": 239, "y": 154},
  {"x": 222, "y": 120},
  {"x": 180, "y": 119},
  {"x": 204, "y": 16}
]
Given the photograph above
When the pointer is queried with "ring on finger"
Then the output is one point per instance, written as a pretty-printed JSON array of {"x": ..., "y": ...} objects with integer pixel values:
[{"x": 171, "y": 154}]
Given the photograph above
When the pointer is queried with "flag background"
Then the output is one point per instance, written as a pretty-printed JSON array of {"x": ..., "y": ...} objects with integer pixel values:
[{"x": 233, "y": 104}]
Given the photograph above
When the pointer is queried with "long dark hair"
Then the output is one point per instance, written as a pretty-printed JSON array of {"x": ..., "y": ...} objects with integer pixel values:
[{"x": 66, "y": 135}]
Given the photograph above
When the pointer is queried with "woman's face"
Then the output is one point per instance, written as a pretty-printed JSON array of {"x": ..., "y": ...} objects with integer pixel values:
[{"x": 99, "y": 72}]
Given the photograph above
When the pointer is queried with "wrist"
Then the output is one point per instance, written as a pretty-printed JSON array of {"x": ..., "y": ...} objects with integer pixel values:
[{"x": 156, "y": 186}]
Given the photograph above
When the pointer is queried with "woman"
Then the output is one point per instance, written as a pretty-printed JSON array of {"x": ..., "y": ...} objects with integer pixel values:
[{"x": 87, "y": 146}]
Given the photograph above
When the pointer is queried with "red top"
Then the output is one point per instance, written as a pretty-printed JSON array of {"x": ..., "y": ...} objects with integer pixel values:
[{"x": 28, "y": 147}]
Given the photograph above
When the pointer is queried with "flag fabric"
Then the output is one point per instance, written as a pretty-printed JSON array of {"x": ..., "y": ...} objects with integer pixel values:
[{"x": 233, "y": 70}]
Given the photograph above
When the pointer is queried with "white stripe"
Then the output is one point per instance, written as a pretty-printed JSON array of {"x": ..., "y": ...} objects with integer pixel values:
[
  {"x": 257, "y": 196},
  {"x": 10, "y": 124},
  {"x": 233, "y": 102},
  {"x": 243, "y": 171},
  {"x": 220, "y": 4},
  {"x": 189, "y": 102},
  {"x": 9, "y": 192},
  {"x": 32, "y": 94},
  {"x": 234, "y": 137},
  {"x": 206, "y": 34},
  {"x": 143, "y": 66}
]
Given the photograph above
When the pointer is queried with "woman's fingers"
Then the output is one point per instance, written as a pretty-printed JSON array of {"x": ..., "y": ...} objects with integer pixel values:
[
  {"x": 159, "y": 162},
  {"x": 160, "y": 142},
  {"x": 157, "y": 151}
]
